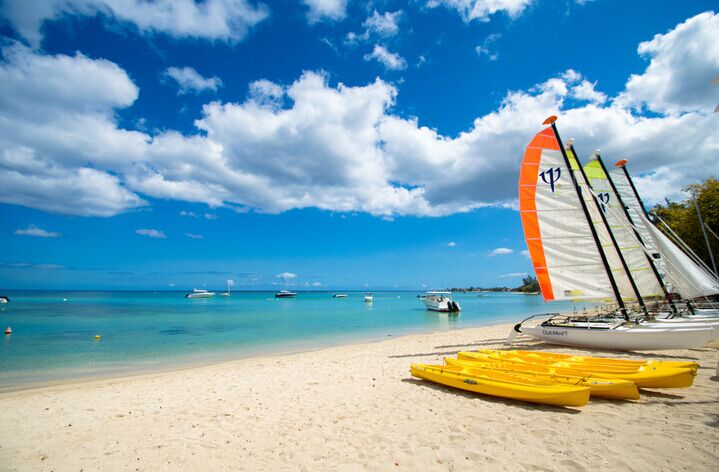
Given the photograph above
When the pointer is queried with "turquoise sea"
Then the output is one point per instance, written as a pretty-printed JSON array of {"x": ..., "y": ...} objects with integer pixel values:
[{"x": 54, "y": 331}]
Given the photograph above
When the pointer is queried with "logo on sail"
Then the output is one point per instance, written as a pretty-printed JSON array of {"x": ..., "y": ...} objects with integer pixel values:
[
  {"x": 550, "y": 176},
  {"x": 603, "y": 200}
]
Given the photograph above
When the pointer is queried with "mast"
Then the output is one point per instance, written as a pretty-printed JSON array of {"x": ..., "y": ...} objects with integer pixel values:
[
  {"x": 635, "y": 289},
  {"x": 667, "y": 296},
  {"x": 706, "y": 238},
  {"x": 622, "y": 164},
  {"x": 551, "y": 121}
]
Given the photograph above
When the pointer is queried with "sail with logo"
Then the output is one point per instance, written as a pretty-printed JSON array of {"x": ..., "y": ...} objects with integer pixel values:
[
  {"x": 630, "y": 242},
  {"x": 573, "y": 261}
]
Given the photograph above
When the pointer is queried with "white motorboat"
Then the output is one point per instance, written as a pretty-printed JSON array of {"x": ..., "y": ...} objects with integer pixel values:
[
  {"x": 368, "y": 297},
  {"x": 199, "y": 293},
  {"x": 440, "y": 301},
  {"x": 4, "y": 299},
  {"x": 285, "y": 294},
  {"x": 339, "y": 295}
]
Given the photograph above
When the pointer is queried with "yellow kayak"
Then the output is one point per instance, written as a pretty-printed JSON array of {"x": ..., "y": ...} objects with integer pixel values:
[
  {"x": 498, "y": 384},
  {"x": 645, "y": 376},
  {"x": 555, "y": 357},
  {"x": 598, "y": 387}
]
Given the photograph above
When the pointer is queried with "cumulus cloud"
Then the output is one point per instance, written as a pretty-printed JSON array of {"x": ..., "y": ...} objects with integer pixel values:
[
  {"x": 451, "y": 244},
  {"x": 482, "y": 9},
  {"x": 390, "y": 60},
  {"x": 513, "y": 275},
  {"x": 151, "y": 233},
  {"x": 313, "y": 144},
  {"x": 682, "y": 64},
  {"x": 36, "y": 232},
  {"x": 190, "y": 81},
  {"x": 225, "y": 20},
  {"x": 326, "y": 10},
  {"x": 499, "y": 251},
  {"x": 525, "y": 253},
  {"x": 384, "y": 25},
  {"x": 286, "y": 275}
]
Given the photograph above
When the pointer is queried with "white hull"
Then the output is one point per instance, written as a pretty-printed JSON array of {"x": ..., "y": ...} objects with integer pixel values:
[
  {"x": 623, "y": 338},
  {"x": 200, "y": 295},
  {"x": 439, "y": 304}
]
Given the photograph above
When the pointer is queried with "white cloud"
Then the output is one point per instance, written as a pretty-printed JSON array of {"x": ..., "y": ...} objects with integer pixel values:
[
  {"x": 33, "y": 230},
  {"x": 388, "y": 59},
  {"x": 225, "y": 20},
  {"x": 286, "y": 275},
  {"x": 682, "y": 64},
  {"x": 230, "y": 282},
  {"x": 310, "y": 144},
  {"x": 500, "y": 251},
  {"x": 451, "y": 244},
  {"x": 484, "y": 48},
  {"x": 191, "y": 214},
  {"x": 194, "y": 236},
  {"x": 383, "y": 25},
  {"x": 151, "y": 233},
  {"x": 190, "y": 81},
  {"x": 326, "y": 10},
  {"x": 585, "y": 91},
  {"x": 525, "y": 253},
  {"x": 210, "y": 216},
  {"x": 482, "y": 9},
  {"x": 513, "y": 275}
]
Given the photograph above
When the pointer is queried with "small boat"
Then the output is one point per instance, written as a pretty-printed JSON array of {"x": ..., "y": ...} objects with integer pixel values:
[
  {"x": 4, "y": 299},
  {"x": 285, "y": 294},
  {"x": 368, "y": 297},
  {"x": 228, "y": 292},
  {"x": 339, "y": 295},
  {"x": 645, "y": 376},
  {"x": 599, "y": 387},
  {"x": 199, "y": 293},
  {"x": 440, "y": 301},
  {"x": 499, "y": 384}
]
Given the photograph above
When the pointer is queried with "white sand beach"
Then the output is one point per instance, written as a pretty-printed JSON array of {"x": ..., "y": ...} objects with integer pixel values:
[{"x": 352, "y": 408}]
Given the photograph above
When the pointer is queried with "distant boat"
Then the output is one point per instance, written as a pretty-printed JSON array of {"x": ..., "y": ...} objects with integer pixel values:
[
  {"x": 368, "y": 297},
  {"x": 339, "y": 295},
  {"x": 228, "y": 292},
  {"x": 4, "y": 299},
  {"x": 199, "y": 293},
  {"x": 285, "y": 294},
  {"x": 440, "y": 301}
]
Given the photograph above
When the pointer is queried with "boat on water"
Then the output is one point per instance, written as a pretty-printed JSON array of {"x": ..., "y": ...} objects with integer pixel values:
[
  {"x": 571, "y": 231},
  {"x": 228, "y": 292},
  {"x": 200, "y": 293},
  {"x": 339, "y": 295},
  {"x": 4, "y": 299},
  {"x": 285, "y": 294},
  {"x": 440, "y": 301},
  {"x": 368, "y": 297}
]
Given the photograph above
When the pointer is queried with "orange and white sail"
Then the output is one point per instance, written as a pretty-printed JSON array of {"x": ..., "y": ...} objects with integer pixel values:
[
  {"x": 629, "y": 242},
  {"x": 561, "y": 244}
]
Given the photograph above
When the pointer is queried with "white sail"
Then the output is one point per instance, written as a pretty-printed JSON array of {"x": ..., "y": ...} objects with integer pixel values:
[
  {"x": 610, "y": 251},
  {"x": 627, "y": 240},
  {"x": 681, "y": 273},
  {"x": 688, "y": 279},
  {"x": 559, "y": 237}
]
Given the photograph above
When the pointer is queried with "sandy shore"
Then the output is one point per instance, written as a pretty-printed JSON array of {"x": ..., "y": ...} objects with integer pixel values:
[{"x": 352, "y": 408}]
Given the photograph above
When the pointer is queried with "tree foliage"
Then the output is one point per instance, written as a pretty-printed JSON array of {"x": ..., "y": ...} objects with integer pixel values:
[
  {"x": 682, "y": 217},
  {"x": 529, "y": 284}
]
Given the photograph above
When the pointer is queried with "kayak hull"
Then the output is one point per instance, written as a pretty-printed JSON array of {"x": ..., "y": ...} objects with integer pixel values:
[{"x": 503, "y": 386}]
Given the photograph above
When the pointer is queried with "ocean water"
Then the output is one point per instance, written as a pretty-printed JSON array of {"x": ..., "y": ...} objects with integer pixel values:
[{"x": 54, "y": 332}]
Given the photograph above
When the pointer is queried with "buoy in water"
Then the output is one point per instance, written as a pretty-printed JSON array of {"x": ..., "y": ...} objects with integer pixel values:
[
  {"x": 97, "y": 337},
  {"x": 8, "y": 330}
]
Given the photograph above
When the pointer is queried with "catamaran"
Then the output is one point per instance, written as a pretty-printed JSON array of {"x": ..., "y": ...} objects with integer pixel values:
[{"x": 578, "y": 254}]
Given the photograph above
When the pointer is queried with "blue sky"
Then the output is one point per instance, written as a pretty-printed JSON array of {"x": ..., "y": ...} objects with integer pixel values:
[{"x": 341, "y": 144}]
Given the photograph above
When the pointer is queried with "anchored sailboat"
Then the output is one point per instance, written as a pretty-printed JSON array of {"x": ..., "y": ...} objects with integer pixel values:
[{"x": 577, "y": 256}]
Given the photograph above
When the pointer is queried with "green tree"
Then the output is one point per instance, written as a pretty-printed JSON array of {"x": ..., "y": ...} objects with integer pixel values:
[
  {"x": 682, "y": 217},
  {"x": 529, "y": 284}
]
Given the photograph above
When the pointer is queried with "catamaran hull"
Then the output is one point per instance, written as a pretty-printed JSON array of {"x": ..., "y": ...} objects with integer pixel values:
[{"x": 622, "y": 338}]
